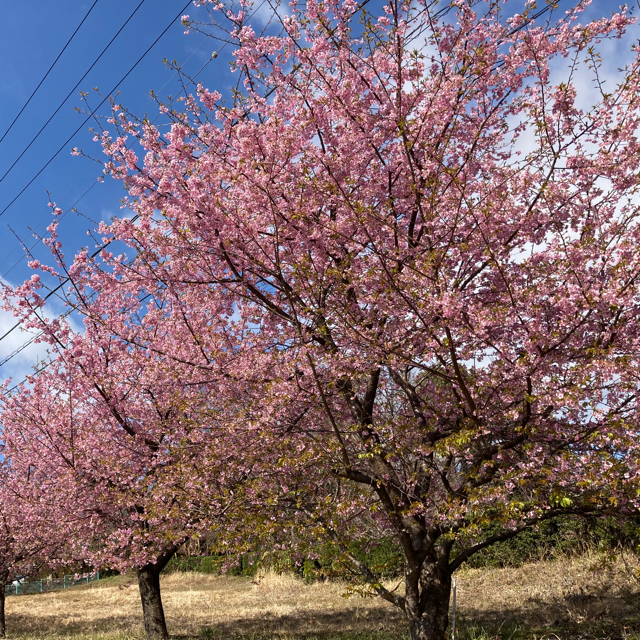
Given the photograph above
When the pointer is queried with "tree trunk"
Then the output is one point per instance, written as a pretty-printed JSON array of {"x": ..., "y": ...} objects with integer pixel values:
[
  {"x": 423, "y": 628},
  {"x": 428, "y": 615},
  {"x": 149, "y": 583},
  {"x": 3, "y": 626}
]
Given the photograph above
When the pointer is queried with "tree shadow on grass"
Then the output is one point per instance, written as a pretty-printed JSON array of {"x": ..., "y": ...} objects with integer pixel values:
[
  {"x": 369, "y": 624},
  {"x": 347, "y": 623},
  {"x": 580, "y": 612}
]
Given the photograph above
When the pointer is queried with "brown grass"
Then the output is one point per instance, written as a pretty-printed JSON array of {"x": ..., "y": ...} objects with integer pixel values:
[
  {"x": 579, "y": 597},
  {"x": 574, "y": 598},
  {"x": 203, "y": 605}
]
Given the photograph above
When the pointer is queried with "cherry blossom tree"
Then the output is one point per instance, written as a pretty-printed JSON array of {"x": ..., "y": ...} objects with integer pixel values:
[
  {"x": 420, "y": 250},
  {"x": 33, "y": 532},
  {"x": 128, "y": 442}
]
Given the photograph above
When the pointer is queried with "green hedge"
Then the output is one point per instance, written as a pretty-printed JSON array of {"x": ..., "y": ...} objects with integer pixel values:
[{"x": 561, "y": 536}]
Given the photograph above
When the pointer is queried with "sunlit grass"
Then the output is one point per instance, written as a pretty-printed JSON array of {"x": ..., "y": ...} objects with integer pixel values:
[{"x": 567, "y": 599}]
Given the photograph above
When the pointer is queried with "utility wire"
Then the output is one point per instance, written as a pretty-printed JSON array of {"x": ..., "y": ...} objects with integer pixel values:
[
  {"x": 99, "y": 249},
  {"x": 73, "y": 35},
  {"x": 64, "y": 281},
  {"x": 57, "y": 153},
  {"x": 15, "y": 264},
  {"x": 98, "y": 162},
  {"x": 96, "y": 252},
  {"x": 95, "y": 62}
]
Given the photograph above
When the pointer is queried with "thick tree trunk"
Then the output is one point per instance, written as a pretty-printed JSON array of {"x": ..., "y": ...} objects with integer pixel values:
[
  {"x": 428, "y": 627},
  {"x": 428, "y": 614},
  {"x": 149, "y": 583}
]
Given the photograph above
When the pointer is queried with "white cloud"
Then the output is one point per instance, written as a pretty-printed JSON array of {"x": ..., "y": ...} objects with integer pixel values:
[
  {"x": 269, "y": 11},
  {"x": 20, "y": 355},
  {"x": 18, "y": 360}
]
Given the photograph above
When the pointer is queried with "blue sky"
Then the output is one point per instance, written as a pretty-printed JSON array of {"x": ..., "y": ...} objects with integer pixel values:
[
  {"x": 30, "y": 39},
  {"x": 29, "y": 43},
  {"x": 31, "y": 36}
]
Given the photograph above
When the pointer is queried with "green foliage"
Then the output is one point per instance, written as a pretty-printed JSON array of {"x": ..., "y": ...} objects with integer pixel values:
[
  {"x": 561, "y": 536},
  {"x": 327, "y": 561},
  {"x": 188, "y": 563},
  {"x": 246, "y": 565}
]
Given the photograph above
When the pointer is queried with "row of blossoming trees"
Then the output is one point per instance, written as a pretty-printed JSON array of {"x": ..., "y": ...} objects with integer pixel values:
[{"x": 389, "y": 291}]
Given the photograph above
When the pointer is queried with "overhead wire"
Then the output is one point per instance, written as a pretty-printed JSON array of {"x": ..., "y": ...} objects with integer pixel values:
[
  {"x": 52, "y": 116},
  {"x": 101, "y": 247},
  {"x": 46, "y": 216},
  {"x": 53, "y": 291},
  {"x": 210, "y": 59},
  {"x": 53, "y": 64},
  {"x": 68, "y": 140}
]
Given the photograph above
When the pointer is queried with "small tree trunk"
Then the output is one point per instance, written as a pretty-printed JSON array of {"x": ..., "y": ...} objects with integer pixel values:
[
  {"x": 428, "y": 615},
  {"x": 3, "y": 626}
]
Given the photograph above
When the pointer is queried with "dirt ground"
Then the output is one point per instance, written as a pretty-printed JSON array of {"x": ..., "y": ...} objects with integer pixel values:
[{"x": 572, "y": 598}]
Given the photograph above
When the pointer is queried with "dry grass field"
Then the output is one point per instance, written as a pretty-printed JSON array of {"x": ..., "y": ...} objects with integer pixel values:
[{"x": 573, "y": 599}]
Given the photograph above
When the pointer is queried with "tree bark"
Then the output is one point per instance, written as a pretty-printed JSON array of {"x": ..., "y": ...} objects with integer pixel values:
[
  {"x": 3, "y": 625},
  {"x": 149, "y": 583},
  {"x": 155, "y": 625},
  {"x": 428, "y": 615}
]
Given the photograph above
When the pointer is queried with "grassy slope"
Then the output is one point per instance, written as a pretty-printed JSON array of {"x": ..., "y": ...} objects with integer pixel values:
[{"x": 577, "y": 598}]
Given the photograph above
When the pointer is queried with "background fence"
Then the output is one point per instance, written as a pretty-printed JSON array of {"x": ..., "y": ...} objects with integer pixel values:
[{"x": 19, "y": 588}]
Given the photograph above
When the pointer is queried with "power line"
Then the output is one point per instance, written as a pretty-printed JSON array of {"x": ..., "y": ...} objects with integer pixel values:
[
  {"x": 99, "y": 249},
  {"x": 105, "y": 245},
  {"x": 134, "y": 218},
  {"x": 65, "y": 280},
  {"x": 95, "y": 62},
  {"x": 213, "y": 56},
  {"x": 57, "y": 153},
  {"x": 73, "y": 35},
  {"x": 98, "y": 162},
  {"x": 15, "y": 264}
]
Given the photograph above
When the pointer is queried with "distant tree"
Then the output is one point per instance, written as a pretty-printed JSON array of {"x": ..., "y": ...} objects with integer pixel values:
[
  {"x": 128, "y": 444},
  {"x": 33, "y": 533},
  {"x": 423, "y": 255}
]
